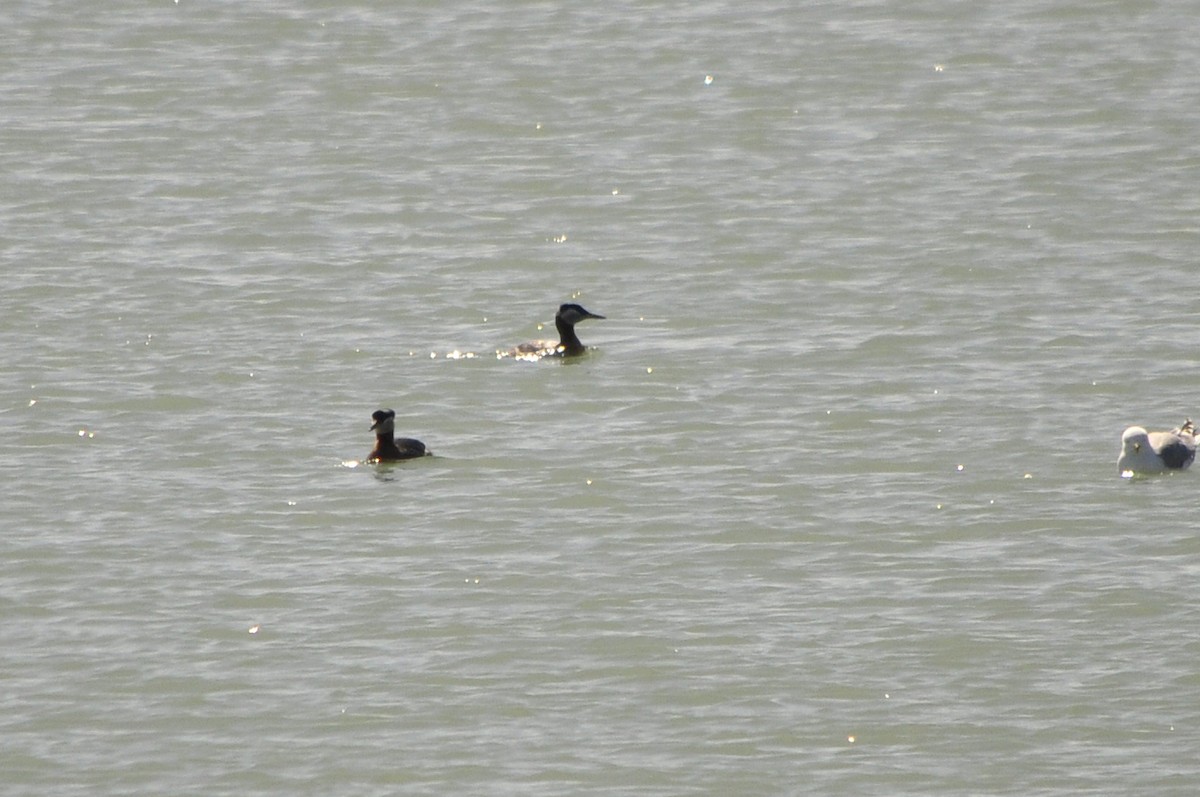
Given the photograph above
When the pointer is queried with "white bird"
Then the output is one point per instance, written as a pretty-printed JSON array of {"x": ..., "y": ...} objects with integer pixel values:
[{"x": 1155, "y": 452}]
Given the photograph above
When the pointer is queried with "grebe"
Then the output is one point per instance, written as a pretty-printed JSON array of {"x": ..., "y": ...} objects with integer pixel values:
[
  {"x": 1155, "y": 452},
  {"x": 388, "y": 448},
  {"x": 568, "y": 344}
]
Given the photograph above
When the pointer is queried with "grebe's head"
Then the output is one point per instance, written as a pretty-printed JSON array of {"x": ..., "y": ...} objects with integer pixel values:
[
  {"x": 383, "y": 421},
  {"x": 573, "y": 314}
]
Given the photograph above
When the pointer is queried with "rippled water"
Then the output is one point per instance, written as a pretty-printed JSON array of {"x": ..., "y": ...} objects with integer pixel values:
[{"x": 831, "y": 507}]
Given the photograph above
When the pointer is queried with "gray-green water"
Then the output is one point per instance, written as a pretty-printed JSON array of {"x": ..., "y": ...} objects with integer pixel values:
[{"x": 832, "y": 508}]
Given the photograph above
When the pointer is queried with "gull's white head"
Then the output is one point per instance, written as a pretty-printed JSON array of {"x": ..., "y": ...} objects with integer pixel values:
[
  {"x": 1134, "y": 439},
  {"x": 1137, "y": 456}
]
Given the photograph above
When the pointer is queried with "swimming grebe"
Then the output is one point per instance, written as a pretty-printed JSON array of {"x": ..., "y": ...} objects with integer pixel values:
[
  {"x": 568, "y": 344},
  {"x": 1155, "y": 452},
  {"x": 389, "y": 448}
]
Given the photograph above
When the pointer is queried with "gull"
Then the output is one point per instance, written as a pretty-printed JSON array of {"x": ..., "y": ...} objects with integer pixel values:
[{"x": 1156, "y": 452}]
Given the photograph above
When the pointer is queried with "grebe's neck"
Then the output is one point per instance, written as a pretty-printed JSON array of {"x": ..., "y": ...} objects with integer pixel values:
[
  {"x": 385, "y": 446},
  {"x": 567, "y": 337}
]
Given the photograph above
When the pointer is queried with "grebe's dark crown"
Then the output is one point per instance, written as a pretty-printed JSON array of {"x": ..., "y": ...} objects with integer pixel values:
[
  {"x": 574, "y": 313},
  {"x": 379, "y": 416}
]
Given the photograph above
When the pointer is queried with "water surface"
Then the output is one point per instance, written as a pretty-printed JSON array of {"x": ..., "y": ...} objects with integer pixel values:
[{"x": 831, "y": 507}]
